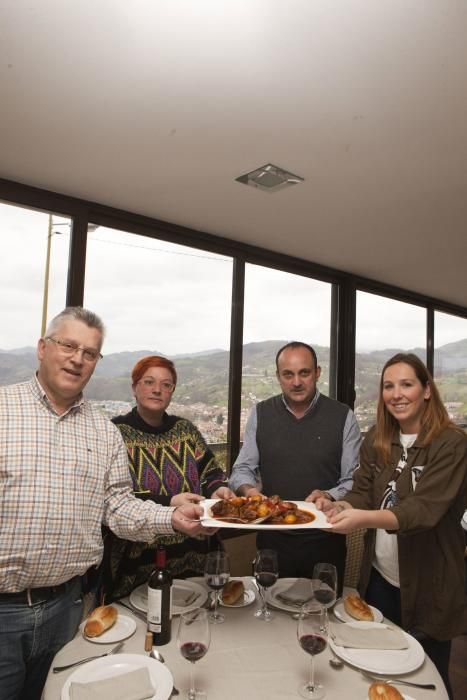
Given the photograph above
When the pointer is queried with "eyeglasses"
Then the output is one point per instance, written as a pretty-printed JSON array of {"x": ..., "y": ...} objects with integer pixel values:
[
  {"x": 164, "y": 386},
  {"x": 69, "y": 348}
]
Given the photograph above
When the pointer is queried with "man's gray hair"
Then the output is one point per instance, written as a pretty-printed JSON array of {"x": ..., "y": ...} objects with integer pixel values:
[{"x": 75, "y": 313}]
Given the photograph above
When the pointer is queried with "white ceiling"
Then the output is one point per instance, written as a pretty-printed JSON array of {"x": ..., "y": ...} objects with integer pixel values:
[{"x": 156, "y": 106}]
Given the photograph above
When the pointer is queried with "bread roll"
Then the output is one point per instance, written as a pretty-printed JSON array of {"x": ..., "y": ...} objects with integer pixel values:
[
  {"x": 232, "y": 592},
  {"x": 383, "y": 691},
  {"x": 100, "y": 620},
  {"x": 357, "y": 608}
]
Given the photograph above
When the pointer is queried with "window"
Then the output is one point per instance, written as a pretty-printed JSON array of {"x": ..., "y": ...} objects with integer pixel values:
[
  {"x": 450, "y": 364},
  {"x": 167, "y": 299},
  {"x": 280, "y": 307},
  {"x": 383, "y": 328},
  {"x": 32, "y": 290}
]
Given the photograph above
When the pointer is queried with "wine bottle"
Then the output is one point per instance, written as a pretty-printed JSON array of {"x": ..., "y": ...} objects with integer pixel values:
[{"x": 160, "y": 601}]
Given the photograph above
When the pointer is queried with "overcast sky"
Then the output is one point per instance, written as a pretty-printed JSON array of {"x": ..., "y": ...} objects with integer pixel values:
[{"x": 158, "y": 296}]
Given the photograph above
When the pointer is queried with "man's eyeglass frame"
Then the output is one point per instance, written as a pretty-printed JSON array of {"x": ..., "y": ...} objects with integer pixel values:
[{"x": 69, "y": 348}]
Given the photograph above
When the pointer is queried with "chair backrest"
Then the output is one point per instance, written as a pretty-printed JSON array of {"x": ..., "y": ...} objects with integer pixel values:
[{"x": 354, "y": 558}]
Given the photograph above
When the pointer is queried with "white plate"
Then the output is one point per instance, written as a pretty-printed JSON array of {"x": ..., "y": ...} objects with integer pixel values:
[
  {"x": 341, "y": 614},
  {"x": 248, "y": 596},
  {"x": 122, "y": 629},
  {"x": 281, "y": 585},
  {"x": 319, "y": 522},
  {"x": 405, "y": 697},
  {"x": 248, "y": 599},
  {"x": 110, "y": 666},
  {"x": 383, "y": 661},
  {"x": 139, "y": 597}
]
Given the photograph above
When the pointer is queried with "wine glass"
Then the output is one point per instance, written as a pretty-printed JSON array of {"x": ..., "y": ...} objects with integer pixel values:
[
  {"x": 216, "y": 574},
  {"x": 194, "y": 636},
  {"x": 324, "y": 584},
  {"x": 312, "y": 633},
  {"x": 266, "y": 571}
]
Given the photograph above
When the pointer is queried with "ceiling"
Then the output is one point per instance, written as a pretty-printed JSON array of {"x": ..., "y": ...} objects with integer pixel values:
[{"x": 156, "y": 106}]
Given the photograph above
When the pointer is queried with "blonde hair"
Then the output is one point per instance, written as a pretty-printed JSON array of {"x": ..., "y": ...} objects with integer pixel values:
[{"x": 434, "y": 419}]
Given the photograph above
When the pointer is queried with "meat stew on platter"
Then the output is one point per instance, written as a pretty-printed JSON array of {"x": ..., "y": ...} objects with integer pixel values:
[{"x": 272, "y": 510}]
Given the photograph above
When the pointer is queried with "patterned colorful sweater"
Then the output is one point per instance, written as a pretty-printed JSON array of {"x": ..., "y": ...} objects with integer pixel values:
[{"x": 164, "y": 461}]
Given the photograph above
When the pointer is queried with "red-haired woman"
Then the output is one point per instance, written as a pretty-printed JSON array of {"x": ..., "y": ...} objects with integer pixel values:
[
  {"x": 410, "y": 491},
  {"x": 170, "y": 464}
]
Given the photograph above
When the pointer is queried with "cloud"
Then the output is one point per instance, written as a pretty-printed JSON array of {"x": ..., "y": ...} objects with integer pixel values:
[{"x": 176, "y": 299}]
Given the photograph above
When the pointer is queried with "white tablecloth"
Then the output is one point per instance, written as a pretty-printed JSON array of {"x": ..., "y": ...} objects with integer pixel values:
[{"x": 248, "y": 659}]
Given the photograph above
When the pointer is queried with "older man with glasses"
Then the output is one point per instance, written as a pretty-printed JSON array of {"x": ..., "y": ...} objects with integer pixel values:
[{"x": 64, "y": 472}]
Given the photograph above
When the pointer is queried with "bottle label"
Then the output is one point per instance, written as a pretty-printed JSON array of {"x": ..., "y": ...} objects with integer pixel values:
[{"x": 155, "y": 609}]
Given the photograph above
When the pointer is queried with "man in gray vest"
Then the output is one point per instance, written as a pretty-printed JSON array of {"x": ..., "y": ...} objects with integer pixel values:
[{"x": 299, "y": 445}]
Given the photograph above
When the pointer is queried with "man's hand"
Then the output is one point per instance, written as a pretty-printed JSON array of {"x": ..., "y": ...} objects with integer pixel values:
[
  {"x": 223, "y": 492},
  {"x": 248, "y": 490},
  {"x": 185, "y": 498},
  {"x": 186, "y": 519},
  {"x": 320, "y": 499},
  {"x": 325, "y": 505},
  {"x": 317, "y": 493}
]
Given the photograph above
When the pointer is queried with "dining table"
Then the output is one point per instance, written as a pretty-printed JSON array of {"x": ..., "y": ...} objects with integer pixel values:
[{"x": 248, "y": 658}]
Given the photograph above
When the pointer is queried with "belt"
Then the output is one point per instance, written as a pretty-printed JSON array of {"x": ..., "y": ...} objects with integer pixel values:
[{"x": 31, "y": 596}]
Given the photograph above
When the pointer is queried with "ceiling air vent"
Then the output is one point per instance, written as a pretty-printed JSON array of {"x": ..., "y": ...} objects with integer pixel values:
[{"x": 270, "y": 178}]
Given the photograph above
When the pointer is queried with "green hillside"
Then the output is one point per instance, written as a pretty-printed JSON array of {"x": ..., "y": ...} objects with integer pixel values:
[{"x": 203, "y": 377}]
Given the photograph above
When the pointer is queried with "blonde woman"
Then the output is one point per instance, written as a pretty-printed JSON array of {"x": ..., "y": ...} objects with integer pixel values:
[{"x": 410, "y": 492}]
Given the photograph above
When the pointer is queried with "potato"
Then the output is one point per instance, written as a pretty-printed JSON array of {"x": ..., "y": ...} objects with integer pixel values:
[
  {"x": 263, "y": 510},
  {"x": 257, "y": 498},
  {"x": 290, "y": 519}
]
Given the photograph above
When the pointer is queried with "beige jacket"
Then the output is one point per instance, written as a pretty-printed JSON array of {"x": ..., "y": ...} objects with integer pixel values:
[{"x": 430, "y": 537}]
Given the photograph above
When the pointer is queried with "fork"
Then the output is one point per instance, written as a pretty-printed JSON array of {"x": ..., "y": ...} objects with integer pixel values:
[
  {"x": 57, "y": 669},
  {"x": 398, "y": 681},
  {"x": 229, "y": 518}
]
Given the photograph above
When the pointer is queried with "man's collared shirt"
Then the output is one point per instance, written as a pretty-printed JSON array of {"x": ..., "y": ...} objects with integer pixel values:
[
  {"x": 308, "y": 408},
  {"x": 61, "y": 476},
  {"x": 247, "y": 467}
]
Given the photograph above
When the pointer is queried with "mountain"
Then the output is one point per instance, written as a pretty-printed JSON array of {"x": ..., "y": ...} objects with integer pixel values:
[{"x": 203, "y": 377}]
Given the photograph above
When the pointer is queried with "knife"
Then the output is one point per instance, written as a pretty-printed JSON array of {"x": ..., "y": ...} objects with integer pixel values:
[{"x": 136, "y": 613}]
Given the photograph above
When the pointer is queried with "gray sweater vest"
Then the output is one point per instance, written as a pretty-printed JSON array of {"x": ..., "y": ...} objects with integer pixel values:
[{"x": 299, "y": 455}]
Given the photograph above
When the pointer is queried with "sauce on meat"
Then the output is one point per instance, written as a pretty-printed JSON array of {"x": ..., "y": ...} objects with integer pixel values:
[{"x": 248, "y": 509}]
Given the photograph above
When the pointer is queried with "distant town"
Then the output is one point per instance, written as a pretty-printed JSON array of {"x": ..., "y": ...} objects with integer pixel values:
[{"x": 202, "y": 389}]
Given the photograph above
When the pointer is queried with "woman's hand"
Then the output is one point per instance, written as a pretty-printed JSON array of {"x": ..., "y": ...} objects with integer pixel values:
[
  {"x": 185, "y": 498},
  {"x": 345, "y": 519},
  {"x": 223, "y": 492},
  {"x": 348, "y": 519}
]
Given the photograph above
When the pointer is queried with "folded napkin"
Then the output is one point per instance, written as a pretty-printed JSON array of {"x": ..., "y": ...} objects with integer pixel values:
[
  {"x": 134, "y": 685},
  {"x": 181, "y": 597},
  {"x": 362, "y": 636},
  {"x": 298, "y": 593}
]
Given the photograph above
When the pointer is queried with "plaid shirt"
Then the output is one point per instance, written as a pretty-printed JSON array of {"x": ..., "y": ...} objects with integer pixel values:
[{"x": 61, "y": 476}]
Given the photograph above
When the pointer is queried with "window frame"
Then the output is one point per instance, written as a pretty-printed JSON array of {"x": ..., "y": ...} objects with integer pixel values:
[{"x": 344, "y": 285}]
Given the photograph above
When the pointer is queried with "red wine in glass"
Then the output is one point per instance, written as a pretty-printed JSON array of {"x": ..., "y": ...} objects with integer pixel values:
[
  {"x": 193, "y": 651},
  {"x": 312, "y": 633},
  {"x": 266, "y": 571},
  {"x": 324, "y": 584},
  {"x": 217, "y": 582},
  {"x": 312, "y": 643},
  {"x": 194, "y": 636},
  {"x": 266, "y": 579},
  {"x": 216, "y": 575},
  {"x": 325, "y": 597}
]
